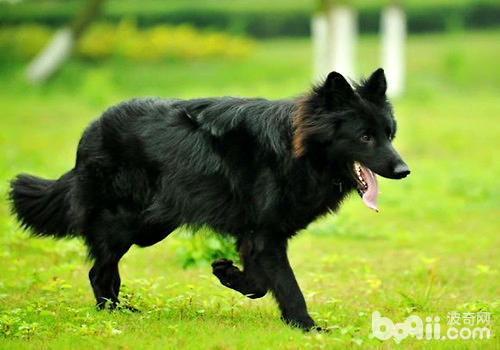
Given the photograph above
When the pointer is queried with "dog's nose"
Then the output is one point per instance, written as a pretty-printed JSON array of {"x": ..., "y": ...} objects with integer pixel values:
[{"x": 401, "y": 170}]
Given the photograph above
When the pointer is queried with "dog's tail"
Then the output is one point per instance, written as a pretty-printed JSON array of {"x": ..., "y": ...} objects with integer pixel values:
[{"x": 42, "y": 205}]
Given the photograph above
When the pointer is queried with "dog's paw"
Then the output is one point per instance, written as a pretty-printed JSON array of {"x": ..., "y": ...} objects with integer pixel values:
[
  {"x": 306, "y": 324},
  {"x": 225, "y": 271},
  {"x": 128, "y": 308},
  {"x": 221, "y": 262},
  {"x": 320, "y": 329},
  {"x": 257, "y": 294}
]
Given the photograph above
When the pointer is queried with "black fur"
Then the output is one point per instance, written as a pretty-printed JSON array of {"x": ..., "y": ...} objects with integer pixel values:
[{"x": 256, "y": 169}]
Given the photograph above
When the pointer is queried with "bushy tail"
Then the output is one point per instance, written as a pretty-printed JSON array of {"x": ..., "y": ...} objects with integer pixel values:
[{"x": 42, "y": 205}]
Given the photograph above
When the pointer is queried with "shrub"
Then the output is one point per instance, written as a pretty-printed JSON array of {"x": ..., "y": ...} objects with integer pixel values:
[
  {"x": 125, "y": 40},
  {"x": 24, "y": 41},
  {"x": 204, "y": 246},
  {"x": 257, "y": 18}
]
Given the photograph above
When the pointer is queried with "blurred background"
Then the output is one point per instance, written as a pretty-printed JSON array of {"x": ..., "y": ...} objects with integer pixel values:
[
  {"x": 62, "y": 62},
  {"x": 147, "y": 47}
]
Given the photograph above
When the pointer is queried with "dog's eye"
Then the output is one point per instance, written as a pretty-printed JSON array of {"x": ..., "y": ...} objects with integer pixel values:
[{"x": 366, "y": 138}]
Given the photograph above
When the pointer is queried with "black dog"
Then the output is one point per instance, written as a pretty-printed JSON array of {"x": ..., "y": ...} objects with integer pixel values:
[{"x": 256, "y": 169}]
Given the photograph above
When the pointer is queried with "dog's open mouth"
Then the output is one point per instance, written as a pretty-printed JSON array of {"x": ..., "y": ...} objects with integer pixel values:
[{"x": 367, "y": 185}]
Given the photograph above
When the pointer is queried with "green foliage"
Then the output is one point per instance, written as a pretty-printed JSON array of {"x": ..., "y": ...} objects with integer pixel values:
[
  {"x": 203, "y": 246},
  {"x": 24, "y": 41},
  {"x": 126, "y": 41},
  {"x": 258, "y": 18}
]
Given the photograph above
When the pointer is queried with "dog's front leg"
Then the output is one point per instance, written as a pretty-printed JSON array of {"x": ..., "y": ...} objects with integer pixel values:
[
  {"x": 266, "y": 267},
  {"x": 284, "y": 286},
  {"x": 250, "y": 282}
]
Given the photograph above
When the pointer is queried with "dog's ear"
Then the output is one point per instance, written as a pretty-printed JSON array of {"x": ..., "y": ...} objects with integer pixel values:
[
  {"x": 375, "y": 87},
  {"x": 336, "y": 91}
]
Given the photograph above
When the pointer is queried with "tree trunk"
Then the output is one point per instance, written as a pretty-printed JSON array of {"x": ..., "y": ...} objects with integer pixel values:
[
  {"x": 342, "y": 36},
  {"x": 393, "y": 25},
  {"x": 51, "y": 58},
  {"x": 334, "y": 31},
  {"x": 321, "y": 52}
]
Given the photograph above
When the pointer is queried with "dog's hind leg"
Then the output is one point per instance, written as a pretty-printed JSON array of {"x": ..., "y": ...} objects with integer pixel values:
[
  {"x": 109, "y": 237},
  {"x": 103, "y": 278},
  {"x": 248, "y": 282},
  {"x": 116, "y": 281}
]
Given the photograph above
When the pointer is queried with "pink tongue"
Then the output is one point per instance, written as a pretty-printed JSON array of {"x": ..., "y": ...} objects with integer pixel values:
[{"x": 370, "y": 196}]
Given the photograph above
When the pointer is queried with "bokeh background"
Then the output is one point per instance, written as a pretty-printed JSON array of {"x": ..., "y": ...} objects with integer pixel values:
[{"x": 432, "y": 249}]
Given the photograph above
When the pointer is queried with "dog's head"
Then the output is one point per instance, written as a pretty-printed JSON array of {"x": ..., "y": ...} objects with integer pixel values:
[{"x": 352, "y": 127}]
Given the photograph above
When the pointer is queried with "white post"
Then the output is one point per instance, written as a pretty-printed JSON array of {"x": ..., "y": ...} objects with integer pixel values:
[
  {"x": 321, "y": 54},
  {"x": 393, "y": 25},
  {"x": 343, "y": 32}
]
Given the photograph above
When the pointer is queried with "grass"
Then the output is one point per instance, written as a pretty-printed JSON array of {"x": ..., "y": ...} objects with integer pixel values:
[{"x": 431, "y": 250}]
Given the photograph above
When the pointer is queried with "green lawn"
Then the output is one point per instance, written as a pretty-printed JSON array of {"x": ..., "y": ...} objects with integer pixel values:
[{"x": 432, "y": 249}]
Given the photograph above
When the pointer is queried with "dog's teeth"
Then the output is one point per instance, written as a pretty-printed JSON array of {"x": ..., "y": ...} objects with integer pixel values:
[{"x": 357, "y": 169}]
